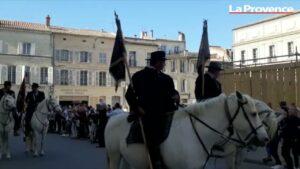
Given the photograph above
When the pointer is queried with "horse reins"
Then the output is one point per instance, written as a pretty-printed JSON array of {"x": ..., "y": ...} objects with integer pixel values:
[{"x": 230, "y": 128}]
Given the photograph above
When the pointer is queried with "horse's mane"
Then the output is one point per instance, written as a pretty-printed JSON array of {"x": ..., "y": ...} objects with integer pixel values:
[{"x": 200, "y": 107}]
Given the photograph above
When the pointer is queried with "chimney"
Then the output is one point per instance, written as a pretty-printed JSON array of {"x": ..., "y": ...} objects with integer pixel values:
[
  {"x": 48, "y": 21},
  {"x": 181, "y": 36}
]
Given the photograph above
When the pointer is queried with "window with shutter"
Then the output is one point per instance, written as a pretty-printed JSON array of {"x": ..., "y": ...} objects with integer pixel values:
[
  {"x": 84, "y": 56},
  {"x": 83, "y": 78},
  {"x": 44, "y": 75},
  {"x": 102, "y": 58},
  {"x": 64, "y": 55},
  {"x": 64, "y": 77},
  {"x": 26, "y": 48},
  {"x": 11, "y": 74},
  {"x": 102, "y": 78}
]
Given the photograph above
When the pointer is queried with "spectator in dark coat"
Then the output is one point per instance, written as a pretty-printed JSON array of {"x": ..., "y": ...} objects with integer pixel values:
[
  {"x": 290, "y": 134},
  {"x": 212, "y": 87},
  {"x": 102, "y": 120}
]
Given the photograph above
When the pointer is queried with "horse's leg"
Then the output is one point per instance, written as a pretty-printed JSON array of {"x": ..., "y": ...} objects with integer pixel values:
[
  {"x": 113, "y": 160},
  {"x": 6, "y": 142},
  {"x": 35, "y": 145},
  {"x": 42, "y": 152},
  {"x": 1, "y": 144},
  {"x": 239, "y": 158},
  {"x": 230, "y": 158}
]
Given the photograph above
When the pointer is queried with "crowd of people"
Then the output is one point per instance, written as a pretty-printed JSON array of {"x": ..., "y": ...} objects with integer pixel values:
[{"x": 84, "y": 122}]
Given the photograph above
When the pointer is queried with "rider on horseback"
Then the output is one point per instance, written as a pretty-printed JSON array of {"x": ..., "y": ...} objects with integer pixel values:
[
  {"x": 33, "y": 98},
  {"x": 7, "y": 90},
  {"x": 212, "y": 87},
  {"x": 151, "y": 96}
]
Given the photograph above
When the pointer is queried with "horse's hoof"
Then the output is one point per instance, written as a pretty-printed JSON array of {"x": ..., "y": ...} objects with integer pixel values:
[
  {"x": 0, "y": 156},
  {"x": 42, "y": 154},
  {"x": 35, "y": 155}
]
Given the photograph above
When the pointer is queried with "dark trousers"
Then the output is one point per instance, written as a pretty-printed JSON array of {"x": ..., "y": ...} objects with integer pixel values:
[
  {"x": 154, "y": 139},
  {"x": 273, "y": 147},
  {"x": 51, "y": 126},
  {"x": 28, "y": 128},
  {"x": 17, "y": 124},
  {"x": 288, "y": 146}
]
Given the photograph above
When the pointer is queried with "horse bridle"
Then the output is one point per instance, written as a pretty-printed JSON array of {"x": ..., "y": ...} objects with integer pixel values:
[
  {"x": 230, "y": 128},
  {"x": 231, "y": 120}
]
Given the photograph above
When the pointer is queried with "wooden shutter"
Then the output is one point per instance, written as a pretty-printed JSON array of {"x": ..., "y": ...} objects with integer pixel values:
[
  {"x": 70, "y": 77},
  {"x": 90, "y": 57},
  {"x": 32, "y": 50},
  {"x": 70, "y": 56},
  {"x": 57, "y": 55},
  {"x": 78, "y": 78},
  {"x": 1, "y": 46},
  {"x": 19, "y": 73},
  {"x": 20, "y": 48},
  {"x": 50, "y": 75},
  {"x": 108, "y": 79},
  {"x": 89, "y": 74},
  {"x": 77, "y": 57},
  {"x": 57, "y": 76},
  {"x": 97, "y": 79}
]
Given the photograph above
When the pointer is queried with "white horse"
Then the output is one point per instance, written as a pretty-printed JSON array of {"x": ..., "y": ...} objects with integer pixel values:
[
  {"x": 234, "y": 154},
  {"x": 205, "y": 122},
  {"x": 40, "y": 124},
  {"x": 7, "y": 106}
]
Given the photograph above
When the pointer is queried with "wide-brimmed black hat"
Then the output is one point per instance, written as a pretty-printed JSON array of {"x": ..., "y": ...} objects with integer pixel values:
[
  {"x": 213, "y": 65},
  {"x": 35, "y": 85},
  {"x": 158, "y": 55},
  {"x": 7, "y": 83}
]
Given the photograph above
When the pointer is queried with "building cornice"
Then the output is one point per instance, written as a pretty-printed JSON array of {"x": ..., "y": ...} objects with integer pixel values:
[
  {"x": 265, "y": 20},
  {"x": 266, "y": 38}
]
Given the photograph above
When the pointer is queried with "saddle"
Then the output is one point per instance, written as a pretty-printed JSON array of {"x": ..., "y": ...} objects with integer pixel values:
[{"x": 135, "y": 135}]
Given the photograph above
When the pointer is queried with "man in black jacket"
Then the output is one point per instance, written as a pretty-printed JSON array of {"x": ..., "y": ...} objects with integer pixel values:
[
  {"x": 33, "y": 98},
  {"x": 212, "y": 87},
  {"x": 151, "y": 96},
  {"x": 7, "y": 90}
]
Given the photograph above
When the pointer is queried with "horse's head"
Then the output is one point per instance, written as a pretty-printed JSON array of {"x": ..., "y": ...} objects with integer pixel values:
[
  {"x": 8, "y": 103},
  {"x": 244, "y": 119},
  {"x": 268, "y": 117},
  {"x": 53, "y": 105}
]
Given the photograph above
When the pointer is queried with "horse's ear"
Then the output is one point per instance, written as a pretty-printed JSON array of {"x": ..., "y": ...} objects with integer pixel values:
[{"x": 239, "y": 95}]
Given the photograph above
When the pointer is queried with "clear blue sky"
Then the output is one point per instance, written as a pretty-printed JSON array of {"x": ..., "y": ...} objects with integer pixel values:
[{"x": 165, "y": 17}]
